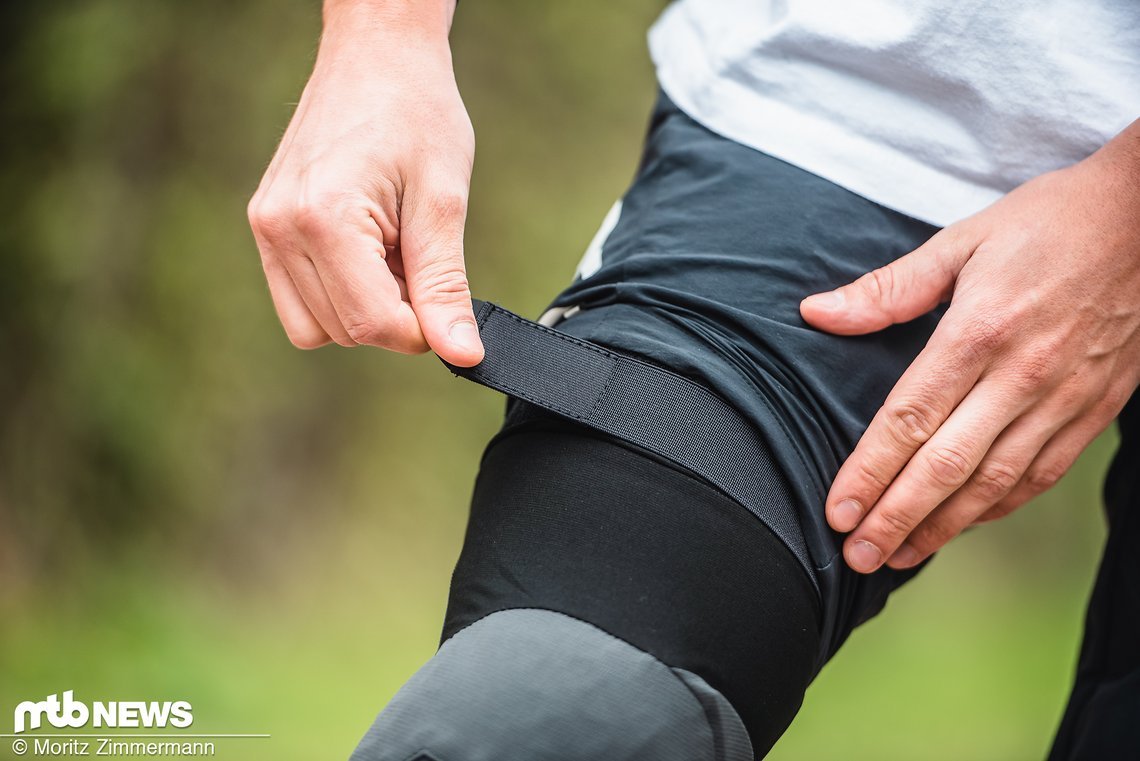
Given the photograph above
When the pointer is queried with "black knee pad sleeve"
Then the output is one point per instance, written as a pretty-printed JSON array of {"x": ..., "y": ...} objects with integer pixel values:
[{"x": 569, "y": 520}]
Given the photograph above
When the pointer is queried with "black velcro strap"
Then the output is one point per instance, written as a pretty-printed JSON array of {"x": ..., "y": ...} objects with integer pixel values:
[{"x": 641, "y": 403}]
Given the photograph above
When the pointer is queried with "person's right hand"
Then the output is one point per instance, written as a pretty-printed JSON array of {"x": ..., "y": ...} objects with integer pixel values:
[{"x": 359, "y": 218}]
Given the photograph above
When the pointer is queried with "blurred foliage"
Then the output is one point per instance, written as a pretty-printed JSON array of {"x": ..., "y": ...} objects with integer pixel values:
[{"x": 189, "y": 506}]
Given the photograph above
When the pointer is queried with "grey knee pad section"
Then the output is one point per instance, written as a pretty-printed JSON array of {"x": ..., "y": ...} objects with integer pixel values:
[
  {"x": 729, "y": 734},
  {"x": 536, "y": 685}
]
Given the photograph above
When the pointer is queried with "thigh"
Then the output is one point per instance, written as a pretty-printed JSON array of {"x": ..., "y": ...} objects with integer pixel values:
[
  {"x": 700, "y": 273},
  {"x": 701, "y": 270},
  {"x": 567, "y": 520}
]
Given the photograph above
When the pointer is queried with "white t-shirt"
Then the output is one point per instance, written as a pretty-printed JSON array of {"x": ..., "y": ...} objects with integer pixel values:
[{"x": 934, "y": 108}]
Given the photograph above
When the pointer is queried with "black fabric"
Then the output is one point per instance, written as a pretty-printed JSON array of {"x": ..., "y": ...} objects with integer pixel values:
[
  {"x": 568, "y": 519},
  {"x": 715, "y": 246},
  {"x": 646, "y": 405},
  {"x": 1102, "y": 720}
]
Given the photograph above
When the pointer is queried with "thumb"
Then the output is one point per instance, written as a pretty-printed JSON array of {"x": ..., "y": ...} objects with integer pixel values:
[
  {"x": 431, "y": 246},
  {"x": 906, "y": 288}
]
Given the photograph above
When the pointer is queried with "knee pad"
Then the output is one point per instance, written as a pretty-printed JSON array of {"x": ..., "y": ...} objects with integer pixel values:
[
  {"x": 536, "y": 685},
  {"x": 570, "y": 522}
]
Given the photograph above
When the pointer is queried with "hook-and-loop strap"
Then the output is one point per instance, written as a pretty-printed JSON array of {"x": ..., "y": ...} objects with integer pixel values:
[{"x": 641, "y": 403}]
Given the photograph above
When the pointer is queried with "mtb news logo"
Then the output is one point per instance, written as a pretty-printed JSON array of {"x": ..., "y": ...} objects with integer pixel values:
[{"x": 69, "y": 713}]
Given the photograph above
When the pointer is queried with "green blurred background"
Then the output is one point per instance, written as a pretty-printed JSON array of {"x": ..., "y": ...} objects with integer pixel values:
[{"x": 191, "y": 508}]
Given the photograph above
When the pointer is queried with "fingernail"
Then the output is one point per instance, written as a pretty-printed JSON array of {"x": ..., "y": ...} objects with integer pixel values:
[
  {"x": 846, "y": 515},
  {"x": 864, "y": 556},
  {"x": 904, "y": 557},
  {"x": 465, "y": 336},
  {"x": 829, "y": 300}
]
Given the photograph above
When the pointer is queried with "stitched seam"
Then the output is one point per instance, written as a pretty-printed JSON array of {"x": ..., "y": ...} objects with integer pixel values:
[
  {"x": 605, "y": 390},
  {"x": 484, "y": 312}
]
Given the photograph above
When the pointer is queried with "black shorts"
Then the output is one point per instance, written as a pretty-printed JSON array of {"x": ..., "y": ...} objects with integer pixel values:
[{"x": 700, "y": 269}]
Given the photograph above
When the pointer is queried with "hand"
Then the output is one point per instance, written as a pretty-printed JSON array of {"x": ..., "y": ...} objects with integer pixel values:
[
  {"x": 1036, "y": 354},
  {"x": 359, "y": 218}
]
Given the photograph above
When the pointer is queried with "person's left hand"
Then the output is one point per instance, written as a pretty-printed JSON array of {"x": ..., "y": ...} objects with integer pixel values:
[{"x": 1038, "y": 351}]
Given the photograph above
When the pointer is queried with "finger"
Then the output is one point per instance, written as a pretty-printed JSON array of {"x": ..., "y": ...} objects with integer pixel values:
[
  {"x": 995, "y": 477},
  {"x": 935, "y": 472},
  {"x": 925, "y": 395},
  {"x": 1051, "y": 463},
  {"x": 316, "y": 298},
  {"x": 367, "y": 296},
  {"x": 901, "y": 291},
  {"x": 431, "y": 244},
  {"x": 300, "y": 326},
  {"x": 367, "y": 300}
]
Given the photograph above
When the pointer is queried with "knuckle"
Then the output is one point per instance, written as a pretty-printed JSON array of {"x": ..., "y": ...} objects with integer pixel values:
[
  {"x": 449, "y": 204},
  {"x": 931, "y": 534},
  {"x": 253, "y": 209},
  {"x": 312, "y": 217},
  {"x": 993, "y": 480},
  {"x": 267, "y": 220},
  {"x": 1036, "y": 368},
  {"x": 443, "y": 281},
  {"x": 947, "y": 466},
  {"x": 872, "y": 472},
  {"x": 911, "y": 423},
  {"x": 1052, "y": 347},
  {"x": 1044, "y": 477},
  {"x": 879, "y": 284},
  {"x": 894, "y": 524},
  {"x": 369, "y": 332},
  {"x": 319, "y": 211},
  {"x": 987, "y": 334}
]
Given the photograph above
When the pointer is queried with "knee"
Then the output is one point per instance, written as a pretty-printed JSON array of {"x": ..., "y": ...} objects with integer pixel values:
[{"x": 536, "y": 685}]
